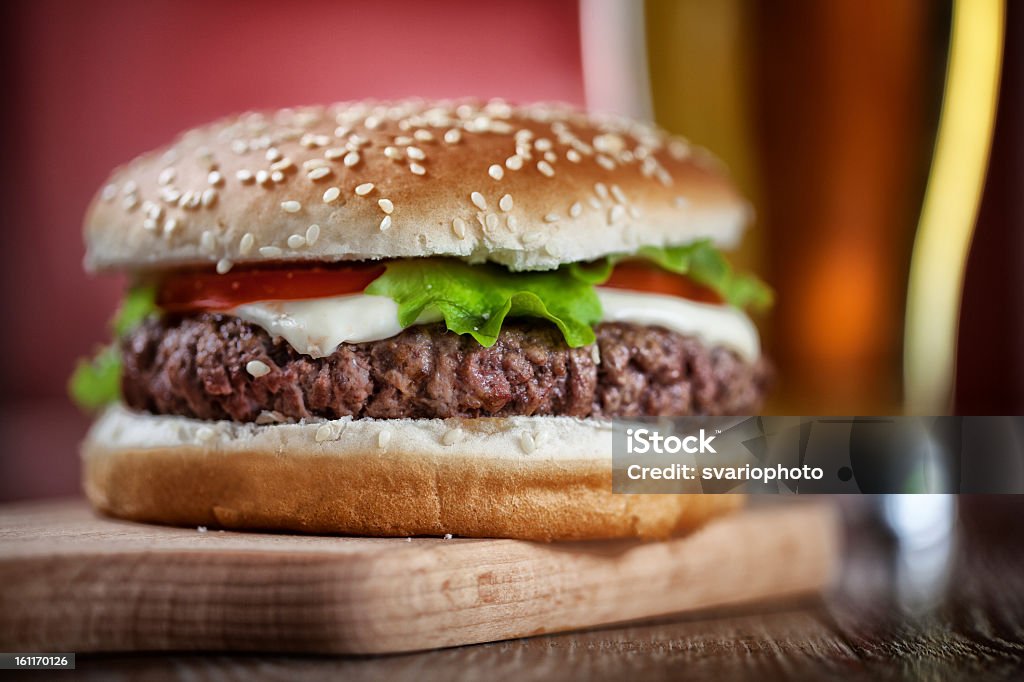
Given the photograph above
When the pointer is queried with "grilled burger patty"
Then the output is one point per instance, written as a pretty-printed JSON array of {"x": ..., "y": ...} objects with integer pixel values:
[{"x": 196, "y": 366}]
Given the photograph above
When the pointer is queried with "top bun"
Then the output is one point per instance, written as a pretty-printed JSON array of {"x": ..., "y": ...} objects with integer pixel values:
[{"x": 530, "y": 187}]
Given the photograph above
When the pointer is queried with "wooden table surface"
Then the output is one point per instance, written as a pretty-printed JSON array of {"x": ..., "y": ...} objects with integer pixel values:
[{"x": 859, "y": 631}]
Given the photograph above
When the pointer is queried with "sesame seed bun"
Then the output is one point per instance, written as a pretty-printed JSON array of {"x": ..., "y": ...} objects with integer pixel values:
[
  {"x": 536, "y": 478},
  {"x": 530, "y": 187}
]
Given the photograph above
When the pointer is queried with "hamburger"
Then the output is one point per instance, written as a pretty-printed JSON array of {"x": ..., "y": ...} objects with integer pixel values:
[{"x": 412, "y": 318}]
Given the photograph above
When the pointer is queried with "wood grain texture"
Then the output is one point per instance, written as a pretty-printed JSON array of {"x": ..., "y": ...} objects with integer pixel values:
[
  {"x": 76, "y": 582},
  {"x": 857, "y": 631}
]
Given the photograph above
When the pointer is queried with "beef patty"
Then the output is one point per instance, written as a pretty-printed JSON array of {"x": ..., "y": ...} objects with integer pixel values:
[{"x": 196, "y": 366}]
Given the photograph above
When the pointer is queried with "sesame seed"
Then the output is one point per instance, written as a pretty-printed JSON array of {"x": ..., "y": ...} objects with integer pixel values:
[
  {"x": 550, "y": 157},
  {"x": 531, "y": 238},
  {"x": 206, "y": 242},
  {"x": 551, "y": 218},
  {"x": 323, "y": 433},
  {"x": 170, "y": 225},
  {"x": 270, "y": 251},
  {"x": 204, "y": 433},
  {"x": 312, "y": 234},
  {"x": 257, "y": 368},
  {"x": 452, "y": 136},
  {"x": 277, "y": 176},
  {"x": 291, "y": 206},
  {"x": 417, "y": 169},
  {"x": 496, "y": 171},
  {"x": 543, "y": 144},
  {"x": 528, "y": 443},
  {"x": 364, "y": 189},
  {"x": 601, "y": 189},
  {"x": 393, "y": 153},
  {"x": 244, "y": 176},
  {"x": 130, "y": 202},
  {"x": 296, "y": 241},
  {"x": 545, "y": 168},
  {"x": 209, "y": 198},
  {"x": 283, "y": 165},
  {"x": 109, "y": 192},
  {"x": 149, "y": 224},
  {"x": 351, "y": 159},
  {"x": 605, "y": 162},
  {"x": 403, "y": 140},
  {"x": 224, "y": 266},
  {"x": 505, "y": 203},
  {"x": 594, "y": 203},
  {"x": 423, "y": 135},
  {"x": 371, "y": 122},
  {"x": 215, "y": 178},
  {"x": 334, "y": 153},
  {"x": 331, "y": 195},
  {"x": 617, "y": 213},
  {"x": 383, "y": 439},
  {"x": 415, "y": 153},
  {"x": 385, "y": 224},
  {"x": 459, "y": 227},
  {"x": 273, "y": 154},
  {"x": 552, "y": 250},
  {"x": 130, "y": 187},
  {"x": 514, "y": 162},
  {"x": 619, "y": 195},
  {"x": 573, "y": 156},
  {"x": 311, "y": 164},
  {"x": 452, "y": 436},
  {"x": 262, "y": 177},
  {"x": 609, "y": 143},
  {"x": 576, "y": 209},
  {"x": 478, "y": 200},
  {"x": 245, "y": 244},
  {"x": 166, "y": 176},
  {"x": 491, "y": 221},
  {"x": 386, "y": 205},
  {"x": 679, "y": 149},
  {"x": 239, "y": 146}
]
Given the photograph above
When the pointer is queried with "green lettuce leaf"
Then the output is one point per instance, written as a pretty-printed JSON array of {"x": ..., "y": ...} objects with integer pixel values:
[
  {"x": 476, "y": 299},
  {"x": 96, "y": 381},
  {"x": 700, "y": 261},
  {"x": 138, "y": 304}
]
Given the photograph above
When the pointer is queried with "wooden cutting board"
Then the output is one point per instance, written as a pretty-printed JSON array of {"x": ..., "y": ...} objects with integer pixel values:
[{"x": 74, "y": 581}]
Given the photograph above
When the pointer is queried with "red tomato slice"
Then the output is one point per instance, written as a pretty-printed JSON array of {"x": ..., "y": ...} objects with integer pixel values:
[
  {"x": 203, "y": 290},
  {"x": 195, "y": 290},
  {"x": 649, "y": 278}
]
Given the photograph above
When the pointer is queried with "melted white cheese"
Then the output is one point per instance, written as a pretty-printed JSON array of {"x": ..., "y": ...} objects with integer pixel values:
[
  {"x": 715, "y": 325},
  {"x": 317, "y": 327}
]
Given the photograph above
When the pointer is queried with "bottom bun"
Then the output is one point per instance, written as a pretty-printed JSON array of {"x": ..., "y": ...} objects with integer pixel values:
[{"x": 536, "y": 478}]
